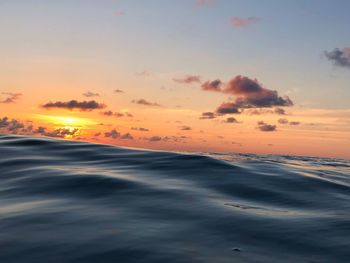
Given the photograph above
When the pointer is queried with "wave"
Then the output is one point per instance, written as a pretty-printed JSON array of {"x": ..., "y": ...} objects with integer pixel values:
[{"x": 64, "y": 201}]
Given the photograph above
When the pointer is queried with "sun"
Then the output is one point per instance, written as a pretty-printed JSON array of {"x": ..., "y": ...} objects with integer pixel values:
[
  {"x": 69, "y": 121},
  {"x": 65, "y": 121}
]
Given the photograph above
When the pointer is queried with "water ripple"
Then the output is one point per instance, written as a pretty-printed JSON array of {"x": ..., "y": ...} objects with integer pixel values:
[{"x": 63, "y": 201}]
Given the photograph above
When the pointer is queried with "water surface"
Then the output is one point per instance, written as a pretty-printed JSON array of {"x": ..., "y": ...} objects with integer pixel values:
[{"x": 63, "y": 201}]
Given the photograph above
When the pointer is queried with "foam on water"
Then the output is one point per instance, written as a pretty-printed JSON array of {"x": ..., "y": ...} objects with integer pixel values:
[{"x": 63, "y": 201}]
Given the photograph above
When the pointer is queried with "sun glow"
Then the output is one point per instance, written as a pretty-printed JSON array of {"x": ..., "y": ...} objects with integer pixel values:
[{"x": 65, "y": 121}]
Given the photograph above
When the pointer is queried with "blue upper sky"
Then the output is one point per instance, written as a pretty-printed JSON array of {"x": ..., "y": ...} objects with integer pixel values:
[{"x": 284, "y": 48}]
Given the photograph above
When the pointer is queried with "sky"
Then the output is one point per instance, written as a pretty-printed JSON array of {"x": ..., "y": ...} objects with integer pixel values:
[{"x": 249, "y": 76}]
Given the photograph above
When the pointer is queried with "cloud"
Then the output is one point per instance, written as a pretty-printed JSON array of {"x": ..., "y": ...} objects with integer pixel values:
[
  {"x": 241, "y": 22},
  {"x": 283, "y": 121},
  {"x": 249, "y": 94},
  {"x": 262, "y": 126},
  {"x": 112, "y": 134},
  {"x": 14, "y": 126},
  {"x": 189, "y": 79},
  {"x": 154, "y": 139},
  {"x": 227, "y": 108},
  {"x": 107, "y": 113},
  {"x": 340, "y": 58},
  {"x": 231, "y": 120},
  {"x": 90, "y": 94},
  {"x": 175, "y": 139},
  {"x": 62, "y": 132},
  {"x": 185, "y": 128},
  {"x": 145, "y": 102},
  {"x": 10, "y": 97},
  {"x": 118, "y": 91},
  {"x": 73, "y": 104},
  {"x": 126, "y": 136},
  {"x": 208, "y": 115},
  {"x": 145, "y": 73},
  {"x": 280, "y": 111},
  {"x": 57, "y": 133},
  {"x": 40, "y": 130},
  {"x": 140, "y": 129},
  {"x": 258, "y": 111},
  {"x": 214, "y": 85},
  {"x": 4, "y": 122},
  {"x": 11, "y": 126},
  {"x": 117, "y": 114}
]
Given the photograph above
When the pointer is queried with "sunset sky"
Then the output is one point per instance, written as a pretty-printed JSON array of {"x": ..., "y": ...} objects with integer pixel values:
[{"x": 250, "y": 76}]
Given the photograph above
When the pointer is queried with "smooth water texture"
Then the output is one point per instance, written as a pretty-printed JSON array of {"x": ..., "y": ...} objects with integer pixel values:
[{"x": 63, "y": 201}]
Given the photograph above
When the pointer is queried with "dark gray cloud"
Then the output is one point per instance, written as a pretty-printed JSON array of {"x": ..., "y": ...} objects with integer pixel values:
[
  {"x": 145, "y": 102},
  {"x": 339, "y": 57},
  {"x": 214, "y": 85},
  {"x": 189, "y": 79},
  {"x": 126, "y": 136},
  {"x": 140, "y": 129},
  {"x": 40, "y": 130},
  {"x": 118, "y": 91},
  {"x": 74, "y": 104},
  {"x": 4, "y": 122},
  {"x": 90, "y": 94},
  {"x": 262, "y": 126},
  {"x": 112, "y": 134},
  {"x": 283, "y": 121},
  {"x": 280, "y": 111},
  {"x": 208, "y": 115},
  {"x": 175, "y": 139},
  {"x": 249, "y": 94},
  {"x": 117, "y": 114},
  {"x": 10, "y": 97},
  {"x": 261, "y": 111},
  {"x": 231, "y": 120},
  {"x": 253, "y": 95},
  {"x": 227, "y": 108},
  {"x": 294, "y": 123},
  {"x": 185, "y": 128},
  {"x": 12, "y": 126},
  {"x": 62, "y": 132},
  {"x": 57, "y": 133},
  {"x": 154, "y": 138},
  {"x": 107, "y": 113}
]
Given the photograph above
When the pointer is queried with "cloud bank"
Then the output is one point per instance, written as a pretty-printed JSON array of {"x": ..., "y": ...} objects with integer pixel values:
[
  {"x": 74, "y": 104},
  {"x": 249, "y": 93}
]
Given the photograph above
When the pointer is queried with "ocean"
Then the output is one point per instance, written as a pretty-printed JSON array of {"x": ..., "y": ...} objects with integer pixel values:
[{"x": 64, "y": 201}]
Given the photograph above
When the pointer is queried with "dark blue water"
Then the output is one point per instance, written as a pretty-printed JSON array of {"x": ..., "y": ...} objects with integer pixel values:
[{"x": 63, "y": 201}]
